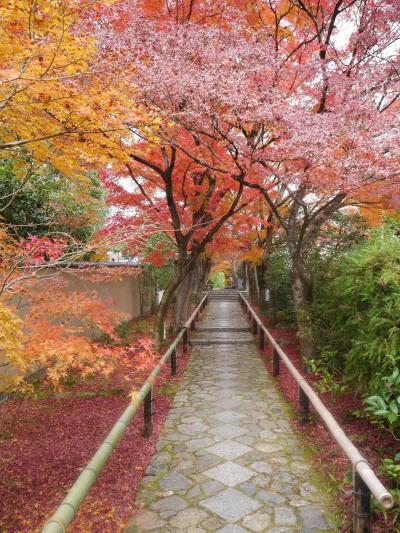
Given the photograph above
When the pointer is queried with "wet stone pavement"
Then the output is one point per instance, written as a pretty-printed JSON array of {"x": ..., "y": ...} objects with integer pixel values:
[{"x": 228, "y": 461}]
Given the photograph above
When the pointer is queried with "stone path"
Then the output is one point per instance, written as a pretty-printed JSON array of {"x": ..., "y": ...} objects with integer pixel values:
[{"x": 228, "y": 460}]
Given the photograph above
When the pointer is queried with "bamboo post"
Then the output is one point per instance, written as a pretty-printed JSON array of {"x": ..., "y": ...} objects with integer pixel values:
[
  {"x": 362, "y": 505},
  {"x": 304, "y": 406},
  {"x": 255, "y": 327},
  {"x": 185, "y": 340},
  {"x": 173, "y": 362},
  {"x": 276, "y": 363},
  {"x": 262, "y": 340},
  {"x": 147, "y": 413}
]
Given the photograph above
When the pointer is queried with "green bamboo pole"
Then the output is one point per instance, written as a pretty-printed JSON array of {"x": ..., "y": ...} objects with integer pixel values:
[
  {"x": 66, "y": 512},
  {"x": 360, "y": 464}
]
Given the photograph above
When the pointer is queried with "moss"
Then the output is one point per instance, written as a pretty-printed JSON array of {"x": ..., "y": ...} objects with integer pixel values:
[{"x": 169, "y": 388}]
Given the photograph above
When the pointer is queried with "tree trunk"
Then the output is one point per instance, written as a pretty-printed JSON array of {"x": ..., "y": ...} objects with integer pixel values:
[
  {"x": 270, "y": 305},
  {"x": 147, "y": 290},
  {"x": 193, "y": 285},
  {"x": 205, "y": 271},
  {"x": 161, "y": 315},
  {"x": 301, "y": 237},
  {"x": 198, "y": 280},
  {"x": 252, "y": 286},
  {"x": 183, "y": 301},
  {"x": 302, "y": 299},
  {"x": 260, "y": 274},
  {"x": 184, "y": 270},
  {"x": 247, "y": 277}
]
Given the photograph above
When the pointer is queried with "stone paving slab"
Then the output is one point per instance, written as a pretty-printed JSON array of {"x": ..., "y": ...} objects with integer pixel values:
[{"x": 228, "y": 460}]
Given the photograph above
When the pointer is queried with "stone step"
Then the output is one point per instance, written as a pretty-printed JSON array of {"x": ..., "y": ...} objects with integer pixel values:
[
  {"x": 223, "y": 298},
  {"x": 208, "y": 342},
  {"x": 223, "y": 337},
  {"x": 221, "y": 294},
  {"x": 223, "y": 329},
  {"x": 223, "y": 291},
  {"x": 230, "y": 293}
]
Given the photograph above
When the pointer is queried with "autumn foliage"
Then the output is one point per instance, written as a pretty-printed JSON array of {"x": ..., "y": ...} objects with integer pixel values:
[{"x": 216, "y": 129}]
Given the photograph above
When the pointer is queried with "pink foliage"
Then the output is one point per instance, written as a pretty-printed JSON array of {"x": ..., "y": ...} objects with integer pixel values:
[
  {"x": 51, "y": 439},
  {"x": 216, "y": 81}
]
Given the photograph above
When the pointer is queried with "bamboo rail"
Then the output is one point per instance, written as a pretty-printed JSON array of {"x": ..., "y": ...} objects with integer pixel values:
[
  {"x": 67, "y": 510},
  {"x": 365, "y": 481}
]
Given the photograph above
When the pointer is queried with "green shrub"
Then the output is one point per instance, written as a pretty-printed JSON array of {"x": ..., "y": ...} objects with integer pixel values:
[
  {"x": 279, "y": 283},
  {"x": 391, "y": 469},
  {"x": 217, "y": 280},
  {"x": 385, "y": 406},
  {"x": 357, "y": 313}
]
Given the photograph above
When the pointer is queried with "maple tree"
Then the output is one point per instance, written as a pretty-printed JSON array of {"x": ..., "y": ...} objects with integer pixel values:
[
  {"x": 218, "y": 127},
  {"x": 222, "y": 103},
  {"x": 55, "y": 333},
  {"x": 271, "y": 100},
  {"x": 40, "y": 59},
  {"x": 46, "y": 325},
  {"x": 198, "y": 182},
  {"x": 55, "y": 100},
  {"x": 194, "y": 204},
  {"x": 76, "y": 116},
  {"x": 327, "y": 152},
  {"x": 344, "y": 152}
]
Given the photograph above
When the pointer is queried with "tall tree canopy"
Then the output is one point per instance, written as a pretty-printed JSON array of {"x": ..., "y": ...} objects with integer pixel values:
[
  {"x": 194, "y": 110},
  {"x": 295, "y": 101}
]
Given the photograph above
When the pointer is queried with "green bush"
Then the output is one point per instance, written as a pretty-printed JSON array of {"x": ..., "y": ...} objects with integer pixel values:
[
  {"x": 279, "y": 284},
  {"x": 357, "y": 312},
  {"x": 385, "y": 406},
  {"x": 217, "y": 280},
  {"x": 391, "y": 469},
  {"x": 50, "y": 203}
]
